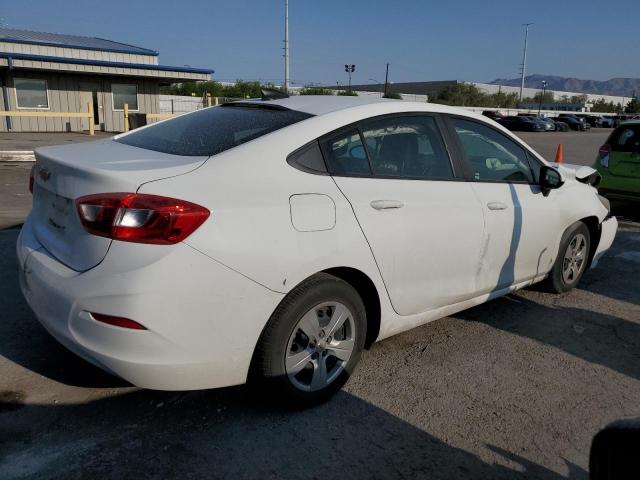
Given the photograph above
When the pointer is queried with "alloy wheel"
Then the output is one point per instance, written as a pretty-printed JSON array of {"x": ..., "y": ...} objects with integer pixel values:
[
  {"x": 320, "y": 346},
  {"x": 575, "y": 258}
]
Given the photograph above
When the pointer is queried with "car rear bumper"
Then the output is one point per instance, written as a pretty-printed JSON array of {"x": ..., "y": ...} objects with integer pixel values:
[
  {"x": 203, "y": 320},
  {"x": 609, "y": 227}
]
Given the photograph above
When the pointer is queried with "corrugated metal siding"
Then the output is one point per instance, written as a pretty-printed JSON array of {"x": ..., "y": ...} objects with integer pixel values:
[
  {"x": 107, "y": 70},
  {"x": 101, "y": 55},
  {"x": 65, "y": 95}
]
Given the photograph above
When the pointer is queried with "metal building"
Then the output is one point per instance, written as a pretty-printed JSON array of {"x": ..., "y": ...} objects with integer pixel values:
[{"x": 47, "y": 73}]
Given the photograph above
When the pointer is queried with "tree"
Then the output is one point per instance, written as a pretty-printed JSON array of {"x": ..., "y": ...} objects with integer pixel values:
[
  {"x": 316, "y": 91},
  {"x": 601, "y": 105},
  {"x": 347, "y": 93},
  {"x": 633, "y": 106}
]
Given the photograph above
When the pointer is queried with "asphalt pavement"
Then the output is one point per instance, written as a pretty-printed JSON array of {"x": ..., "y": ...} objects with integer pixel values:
[{"x": 515, "y": 388}]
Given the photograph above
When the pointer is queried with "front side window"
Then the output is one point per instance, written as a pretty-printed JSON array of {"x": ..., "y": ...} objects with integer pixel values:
[
  {"x": 124, "y": 93},
  {"x": 31, "y": 93},
  {"x": 408, "y": 147},
  {"x": 491, "y": 155}
]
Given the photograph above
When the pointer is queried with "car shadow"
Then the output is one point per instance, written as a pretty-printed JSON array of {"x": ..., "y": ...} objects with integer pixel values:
[
  {"x": 229, "y": 434},
  {"x": 598, "y": 338}
]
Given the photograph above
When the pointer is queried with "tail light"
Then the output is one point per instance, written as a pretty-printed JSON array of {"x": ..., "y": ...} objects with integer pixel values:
[
  {"x": 31, "y": 174},
  {"x": 603, "y": 154},
  {"x": 140, "y": 218}
]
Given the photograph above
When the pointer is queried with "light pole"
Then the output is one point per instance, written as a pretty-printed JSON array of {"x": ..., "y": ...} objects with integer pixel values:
[
  {"x": 544, "y": 86},
  {"x": 524, "y": 57},
  {"x": 349, "y": 69},
  {"x": 286, "y": 45}
]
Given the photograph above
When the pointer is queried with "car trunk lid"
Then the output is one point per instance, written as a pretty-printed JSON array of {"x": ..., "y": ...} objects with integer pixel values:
[{"x": 64, "y": 173}]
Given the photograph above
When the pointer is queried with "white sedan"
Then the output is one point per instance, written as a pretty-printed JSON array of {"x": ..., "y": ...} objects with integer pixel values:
[{"x": 273, "y": 240}]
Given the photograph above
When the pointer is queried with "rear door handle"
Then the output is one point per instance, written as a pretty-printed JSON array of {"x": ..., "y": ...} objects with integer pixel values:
[
  {"x": 386, "y": 204},
  {"x": 496, "y": 206}
]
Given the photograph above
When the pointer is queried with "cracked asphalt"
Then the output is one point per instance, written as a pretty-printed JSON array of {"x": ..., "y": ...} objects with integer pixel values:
[{"x": 515, "y": 388}]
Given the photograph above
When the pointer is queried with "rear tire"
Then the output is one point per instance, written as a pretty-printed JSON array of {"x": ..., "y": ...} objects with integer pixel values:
[
  {"x": 311, "y": 343},
  {"x": 572, "y": 259}
]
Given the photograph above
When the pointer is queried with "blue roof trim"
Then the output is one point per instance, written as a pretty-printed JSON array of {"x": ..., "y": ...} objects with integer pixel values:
[
  {"x": 70, "y": 41},
  {"x": 81, "y": 61}
]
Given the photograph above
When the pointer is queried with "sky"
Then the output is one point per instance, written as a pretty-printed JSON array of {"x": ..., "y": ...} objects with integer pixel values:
[{"x": 470, "y": 40}]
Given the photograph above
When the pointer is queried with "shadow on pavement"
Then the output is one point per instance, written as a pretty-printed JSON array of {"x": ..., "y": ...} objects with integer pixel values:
[
  {"x": 225, "y": 434},
  {"x": 596, "y": 337}
]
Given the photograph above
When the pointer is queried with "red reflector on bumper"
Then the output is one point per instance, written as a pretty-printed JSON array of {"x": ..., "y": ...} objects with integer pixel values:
[{"x": 118, "y": 321}]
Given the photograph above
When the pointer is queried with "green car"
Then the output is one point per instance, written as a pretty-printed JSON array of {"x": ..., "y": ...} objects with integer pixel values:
[{"x": 619, "y": 163}]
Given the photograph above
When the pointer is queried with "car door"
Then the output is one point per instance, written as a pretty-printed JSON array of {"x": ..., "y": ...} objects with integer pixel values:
[
  {"x": 423, "y": 222},
  {"x": 521, "y": 223}
]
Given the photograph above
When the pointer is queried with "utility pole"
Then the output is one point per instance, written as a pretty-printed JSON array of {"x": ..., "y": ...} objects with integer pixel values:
[
  {"x": 286, "y": 45},
  {"x": 386, "y": 81},
  {"x": 524, "y": 57}
]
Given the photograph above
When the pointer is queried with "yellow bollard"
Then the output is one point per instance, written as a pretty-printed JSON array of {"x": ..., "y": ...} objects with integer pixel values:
[
  {"x": 208, "y": 99},
  {"x": 217, "y": 101},
  {"x": 126, "y": 117},
  {"x": 90, "y": 112}
]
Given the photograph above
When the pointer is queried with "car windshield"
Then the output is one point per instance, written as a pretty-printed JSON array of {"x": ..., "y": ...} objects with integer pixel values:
[
  {"x": 626, "y": 139},
  {"x": 212, "y": 130}
]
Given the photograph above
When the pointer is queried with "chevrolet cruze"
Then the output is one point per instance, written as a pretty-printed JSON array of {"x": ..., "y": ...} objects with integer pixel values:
[{"x": 273, "y": 240}]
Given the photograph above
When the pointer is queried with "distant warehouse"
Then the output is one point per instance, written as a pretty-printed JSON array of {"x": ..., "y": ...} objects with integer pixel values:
[{"x": 51, "y": 73}]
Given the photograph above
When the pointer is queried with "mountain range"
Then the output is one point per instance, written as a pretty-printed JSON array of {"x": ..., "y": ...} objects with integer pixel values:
[{"x": 622, "y": 87}]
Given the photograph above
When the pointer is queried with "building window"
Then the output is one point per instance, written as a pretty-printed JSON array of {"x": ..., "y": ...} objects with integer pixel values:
[
  {"x": 124, "y": 93},
  {"x": 31, "y": 93}
]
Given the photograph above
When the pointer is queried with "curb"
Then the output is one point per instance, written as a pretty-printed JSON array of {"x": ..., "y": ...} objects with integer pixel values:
[{"x": 17, "y": 156}]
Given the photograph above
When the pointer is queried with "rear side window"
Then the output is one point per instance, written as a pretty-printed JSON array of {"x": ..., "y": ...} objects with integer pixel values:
[
  {"x": 346, "y": 155},
  {"x": 491, "y": 155},
  {"x": 626, "y": 139},
  {"x": 212, "y": 130}
]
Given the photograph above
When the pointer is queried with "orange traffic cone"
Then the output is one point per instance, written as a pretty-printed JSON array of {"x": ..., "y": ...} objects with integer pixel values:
[{"x": 559, "y": 157}]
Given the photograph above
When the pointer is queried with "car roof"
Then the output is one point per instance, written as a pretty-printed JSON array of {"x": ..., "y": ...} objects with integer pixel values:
[{"x": 324, "y": 104}]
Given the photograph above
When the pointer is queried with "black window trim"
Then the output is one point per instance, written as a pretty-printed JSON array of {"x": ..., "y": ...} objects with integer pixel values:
[
  {"x": 454, "y": 163},
  {"x": 467, "y": 166}
]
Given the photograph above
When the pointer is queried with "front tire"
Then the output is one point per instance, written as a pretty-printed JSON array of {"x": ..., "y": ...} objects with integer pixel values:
[
  {"x": 572, "y": 260},
  {"x": 311, "y": 343}
]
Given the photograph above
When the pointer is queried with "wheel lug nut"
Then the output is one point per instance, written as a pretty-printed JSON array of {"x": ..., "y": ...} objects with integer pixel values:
[{"x": 321, "y": 334}]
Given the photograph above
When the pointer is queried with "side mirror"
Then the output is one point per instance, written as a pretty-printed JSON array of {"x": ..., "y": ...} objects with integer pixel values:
[{"x": 550, "y": 178}]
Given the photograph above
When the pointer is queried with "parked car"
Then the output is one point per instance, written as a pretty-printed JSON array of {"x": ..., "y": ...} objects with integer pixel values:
[
  {"x": 546, "y": 126},
  {"x": 550, "y": 124},
  {"x": 567, "y": 116},
  {"x": 591, "y": 120},
  {"x": 609, "y": 121},
  {"x": 574, "y": 123},
  {"x": 273, "y": 240},
  {"x": 619, "y": 162},
  {"x": 521, "y": 124},
  {"x": 560, "y": 126},
  {"x": 493, "y": 114}
]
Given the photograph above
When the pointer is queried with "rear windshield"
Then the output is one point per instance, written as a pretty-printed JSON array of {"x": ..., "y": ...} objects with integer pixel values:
[
  {"x": 626, "y": 139},
  {"x": 212, "y": 130}
]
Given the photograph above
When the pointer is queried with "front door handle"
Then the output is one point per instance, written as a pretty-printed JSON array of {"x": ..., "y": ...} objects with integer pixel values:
[
  {"x": 496, "y": 206},
  {"x": 386, "y": 204}
]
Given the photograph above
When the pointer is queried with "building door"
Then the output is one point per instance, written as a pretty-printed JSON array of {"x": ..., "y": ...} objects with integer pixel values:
[{"x": 90, "y": 93}]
